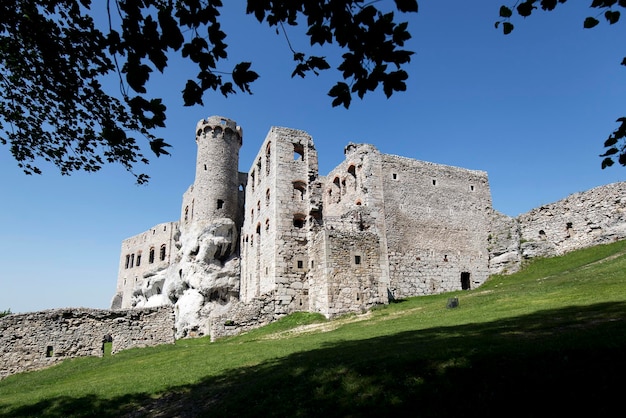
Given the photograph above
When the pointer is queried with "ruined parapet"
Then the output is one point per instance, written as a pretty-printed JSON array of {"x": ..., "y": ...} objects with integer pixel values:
[
  {"x": 596, "y": 216},
  {"x": 37, "y": 340}
]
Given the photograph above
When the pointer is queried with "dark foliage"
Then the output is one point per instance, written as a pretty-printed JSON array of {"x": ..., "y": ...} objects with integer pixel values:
[{"x": 52, "y": 57}]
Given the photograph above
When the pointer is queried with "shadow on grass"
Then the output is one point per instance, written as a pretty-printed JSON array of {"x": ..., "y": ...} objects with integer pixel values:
[{"x": 556, "y": 362}]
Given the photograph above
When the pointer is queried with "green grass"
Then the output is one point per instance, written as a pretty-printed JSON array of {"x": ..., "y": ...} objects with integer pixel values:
[{"x": 550, "y": 340}]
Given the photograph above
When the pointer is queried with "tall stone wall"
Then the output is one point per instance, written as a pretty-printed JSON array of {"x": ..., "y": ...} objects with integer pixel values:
[
  {"x": 346, "y": 276},
  {"x": 277, "y": 220},
  {"x": 437, "y": 219},
  {"x": 143, "y": 256},
  {"x": 36, "y": 340}
]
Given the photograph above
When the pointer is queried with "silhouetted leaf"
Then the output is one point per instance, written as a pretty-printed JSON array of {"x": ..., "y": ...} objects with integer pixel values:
[
  {"x": 505, "y": 12},
  {"x": 590, "y": 22},
  {"x": 526, "y": 8},
  {"x": 243, "y": 76},
  {"x": 158, "y": 146},
  {"x": 612, "y": 16},
  {"x": 406, "y": 5},
  {"x": 507, "y": 27},
  {"x": 341, "y": 94}
]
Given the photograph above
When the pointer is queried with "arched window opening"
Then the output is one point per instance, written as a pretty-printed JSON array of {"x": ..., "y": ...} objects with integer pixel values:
[
  {"x": 258, "y": 168},
  {"x": 299, "y": 190},
  {"x": 138, "y": 259},
  {"x": 299, "y": 220},
  {"x": 267, "y": 197},
  {"x": 151, "y": 256},
  {"x": 162, "y": 253},
  {"x": 268, "y": 154},
  {"x": 127, "y": 261},
  {"x": 267, "y": 224},
  {"x": 298, "y": 152},
  {"x": 352, "y": 170},
  {"x": 358, "y": 203},
  {"x": 132, "y": 260}
]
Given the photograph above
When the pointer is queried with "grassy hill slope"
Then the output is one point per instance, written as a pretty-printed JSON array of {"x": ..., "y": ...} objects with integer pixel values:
[{"x": 550, "y": 340}]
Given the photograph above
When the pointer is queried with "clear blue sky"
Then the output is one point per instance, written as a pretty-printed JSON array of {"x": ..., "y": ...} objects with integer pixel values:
[{"x": 532, "y": 109}]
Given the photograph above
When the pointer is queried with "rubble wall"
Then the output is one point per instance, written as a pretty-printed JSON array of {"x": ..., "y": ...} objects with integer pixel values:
[{"x": 37, "y": 340}]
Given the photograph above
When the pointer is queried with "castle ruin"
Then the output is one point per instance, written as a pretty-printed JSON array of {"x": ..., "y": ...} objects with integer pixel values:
[
  {"x": 251, "y": 247},
  {"x": 283, "y": 238}
]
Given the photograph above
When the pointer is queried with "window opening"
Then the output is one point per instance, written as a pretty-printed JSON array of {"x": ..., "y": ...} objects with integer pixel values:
[
  {"x": 298, "y": 152},
  {"x": 267, "y": 197},
  {"x": 268, "y": 158},
  {"x": 357, "y": 259},
  {"x": 299, "y": 190},
  {"x": 471, "y": 188},
  {"x": 220, "y": 203},
  {"x": 132, "y": 260},
  {"x": 127, "y": 261},
  {"x": 138, "y": 259},
  {"x": 151, "y": 256},
  {"x": 394, "y": 176},
  {"x": 434, "y": 182},
  {"x": 352, "y": 170},
  {"x": 49, "y": 351},
  {"x": 300, "y": 264},
  {"x": 162, "y": 252},
  {"x": 186, "y": 213},
  {"x": 298, "y": 220}
]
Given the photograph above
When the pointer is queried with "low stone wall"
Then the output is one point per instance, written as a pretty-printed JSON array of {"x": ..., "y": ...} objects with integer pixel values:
[
  {"x": 596, "y": 216},
  {"x": 593, "y": 217},
  {"x": 37, "y": 340}
]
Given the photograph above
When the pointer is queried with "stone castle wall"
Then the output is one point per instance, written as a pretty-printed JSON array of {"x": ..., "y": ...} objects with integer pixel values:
[
  {"x": 437, "y": 218},
  {"x": 596, "y": 216},
  {"x": 143, "y": 256},
  {"x": 37, "y": 340}
]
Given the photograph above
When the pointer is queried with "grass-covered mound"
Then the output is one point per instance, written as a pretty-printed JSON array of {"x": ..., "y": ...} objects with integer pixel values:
[{"x": 550, "y": 340}]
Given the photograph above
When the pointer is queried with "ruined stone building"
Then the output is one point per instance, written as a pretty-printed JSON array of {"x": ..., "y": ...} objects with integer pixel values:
[
  {"x": 251, "y": 247},
  {"x": 377, "y": 227}
]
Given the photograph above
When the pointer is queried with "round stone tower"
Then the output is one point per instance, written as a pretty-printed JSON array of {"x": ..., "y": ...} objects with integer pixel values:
[{"x": 215, "y": 190}]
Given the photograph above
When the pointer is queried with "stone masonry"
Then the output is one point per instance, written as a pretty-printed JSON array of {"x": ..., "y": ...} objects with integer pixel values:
[
  {"x": 252, "y": 247},
  {"x": 36, "y": 340}
]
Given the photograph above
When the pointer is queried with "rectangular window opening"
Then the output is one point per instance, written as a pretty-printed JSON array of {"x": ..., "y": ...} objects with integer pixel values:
[{"x": 357, "y": 259}]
